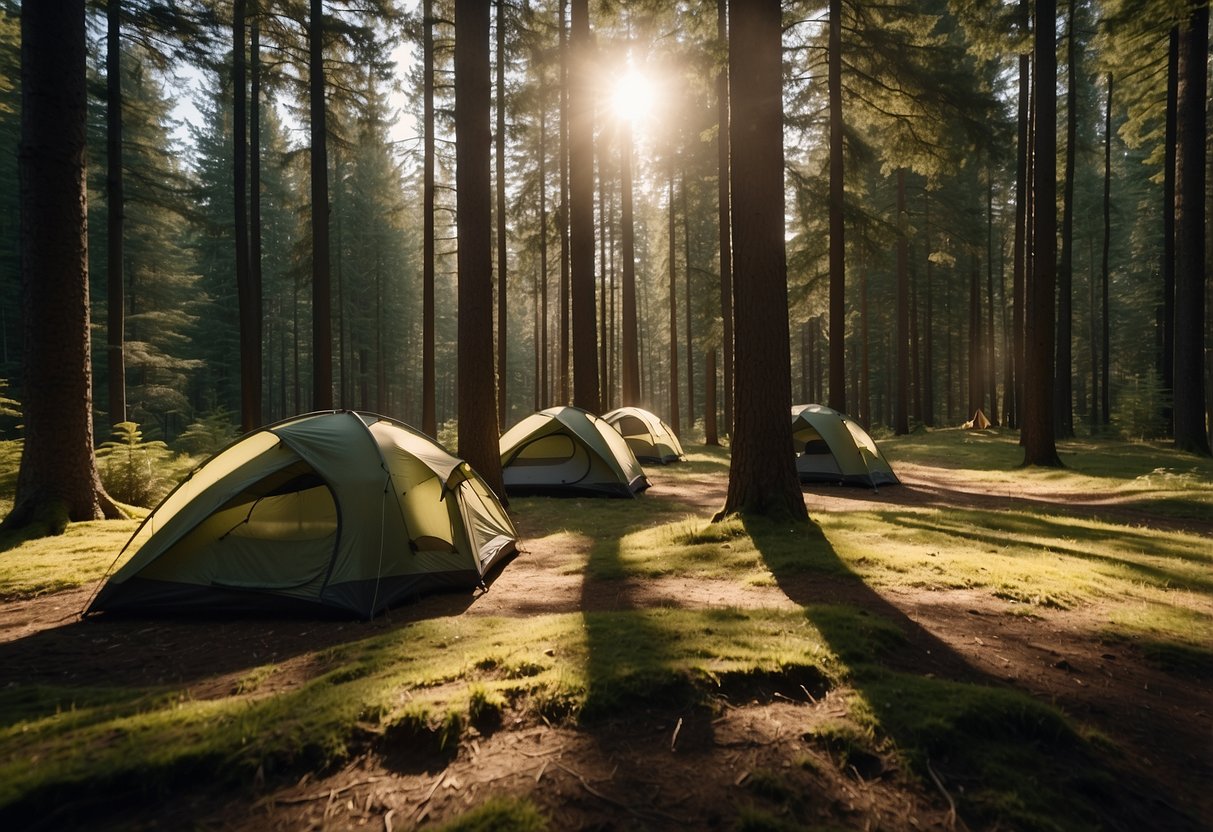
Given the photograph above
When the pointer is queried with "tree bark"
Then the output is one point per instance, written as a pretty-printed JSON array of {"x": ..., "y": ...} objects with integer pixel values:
[
  {"x": 762, "y": 473},
  {"x": 322, "y": 308},
  {"x": 901, "y": 404},
  {"x": 630, "y": 372},
  {"x": 1105, "y": 326},
  {"x": 562, "y": 211},
  {"x": 711, "y": 432},
  {"x": 675, "y": 404},
  {"x": 723, "y": 199},
  {"x": 838, "y": 310},
  {"x": 690, "y": 339},
  {"x": 58, "y": 479},
  {"x": 1166, "y": 361},
  {"x": 1038, "y": 424},
  {"x": 581, "y": 210},
  {"x": 502, "y": 241},
  {"x": 478, "y": 434},
  {"x": 1191, "y": 428},
  {"x": 1063, "y": 378},
  {"x": 257, "y": 398},
  {"x": 115, "y": 217},
  {"x": 429, "y": 416}
]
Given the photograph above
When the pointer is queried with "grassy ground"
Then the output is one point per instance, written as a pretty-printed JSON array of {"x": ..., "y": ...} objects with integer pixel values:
[{"x": 425, "y": 683}]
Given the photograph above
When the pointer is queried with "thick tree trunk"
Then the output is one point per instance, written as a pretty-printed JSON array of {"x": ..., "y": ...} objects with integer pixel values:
[
  {"x": 322, "y": 308},
  {"x": 545, "y": 385},
  {"x": 57, "y": 480},
  {"x": 1018, "y": 276},
  {"x": 990, "y": 359},
  {"x": 581, "y": 210},
  {"x": 1166, "y": 358},
  {"x": 838, "y": 310},
  {"x": 115, "y": 217},
  {"x": 478, "y": 434},
  {"x": 977, "y": 383},
  {"x": 1191, "y": 428},
  {"x": 249, "y": 314},
  {"x": 762, "y": 473},
  {"x": 1038, "y": 425}
]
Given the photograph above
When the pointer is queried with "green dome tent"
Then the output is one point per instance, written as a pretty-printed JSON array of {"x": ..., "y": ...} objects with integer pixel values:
[
  {"x": 339, "y": 510},
  {"x": 567, "y": 450},
  {"x": 650, "y": 438},
  {"x": 832, "y": 448}
]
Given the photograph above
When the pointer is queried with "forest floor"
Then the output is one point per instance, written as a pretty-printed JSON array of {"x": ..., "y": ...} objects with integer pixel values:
[{"x": 667, "y": 767}]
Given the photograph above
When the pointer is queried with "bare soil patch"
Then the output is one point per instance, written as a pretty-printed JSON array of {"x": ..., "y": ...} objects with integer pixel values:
[{"x": 663, "y": 768}]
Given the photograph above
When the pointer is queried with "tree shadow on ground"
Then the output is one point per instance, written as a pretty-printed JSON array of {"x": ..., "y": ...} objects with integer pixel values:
[{"x": 1003, "y": 757}]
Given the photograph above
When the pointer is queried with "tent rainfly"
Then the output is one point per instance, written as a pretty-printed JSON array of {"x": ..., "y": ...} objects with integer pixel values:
[
  {"x": 650, "y": 438},
  {"x": 567, "y": 450},
  {"x": 830, "y": 447},
  {"x": 336, "y": 511}
]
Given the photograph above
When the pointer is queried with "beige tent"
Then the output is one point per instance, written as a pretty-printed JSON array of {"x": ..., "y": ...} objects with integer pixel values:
[
  {"x": 978, "y": 422},
  {"x": 649, "y": 437},
  {"x": 343, "y": 511},
  {"x": 567, "y": 450},
  {"x": 831, "y": 447}
]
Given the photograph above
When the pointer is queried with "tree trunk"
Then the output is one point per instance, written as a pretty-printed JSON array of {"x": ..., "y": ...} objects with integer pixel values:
[
  {"x": 762, "y": 473},
  {"x": 57, "y": 480},
  {"x": 1018, "y": 282},
  {"x": 502, "y": 242},
  {"x": 991, "y": 360},
  {"x": 115, "y": 217},
  {"x": 864, "y": 410},
  {"x": 1191, "y": 430},
  {"x": 255, "y": 300},
  {"x": 723, "y": 199},
  {"x": 675, "y": 404},
  {"x": 1166, "y": 359},
  {"x": 562, "y": 212},
  {"x": 711, "y": 432},
  {"x": 581, "y": 210},
  {"x": 1038, "y": 423},
  {"x": 630, "y": 396},
  {"x": 686, "y": 244},
  {"x": 545, "y": 385},
  {"x": 1064, "y": 370},
  {"x": 901, "y": 404},
  {"x": 322, "y": 309},
  {"x": 429, "y": 416},
  {"x": 604, "y": 374},
  {"x": 977, "y": 383},
  {"x": 1105, "y": 326},
  {"x": 478, "y": 434},
  {"x": 838, "y": 310}
]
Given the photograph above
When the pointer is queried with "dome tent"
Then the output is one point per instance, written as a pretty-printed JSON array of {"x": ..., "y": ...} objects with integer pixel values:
[
  {"x": 830, "y": 447},
  {"x": 345, "y": 511},
  {"x": 650, "y": 438},
  {"x": 567, "y": 450}
]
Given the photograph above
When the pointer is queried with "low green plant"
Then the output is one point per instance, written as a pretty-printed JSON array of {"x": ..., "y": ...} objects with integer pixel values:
[
  {"x": 132, "y": 469},
  {"x": 500, "y": 814}
]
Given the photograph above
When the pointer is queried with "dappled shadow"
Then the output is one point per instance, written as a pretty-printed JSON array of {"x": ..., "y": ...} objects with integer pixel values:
[
  {"x": 197, "y": 652},
  {"x": 973, "y": 735}
]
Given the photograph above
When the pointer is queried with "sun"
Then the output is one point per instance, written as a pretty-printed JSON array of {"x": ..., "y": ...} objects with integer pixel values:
[{"x": 632, "y": 96}]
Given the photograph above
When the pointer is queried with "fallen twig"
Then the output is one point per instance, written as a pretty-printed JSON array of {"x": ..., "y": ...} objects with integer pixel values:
[{"x": 674, "y": 739}]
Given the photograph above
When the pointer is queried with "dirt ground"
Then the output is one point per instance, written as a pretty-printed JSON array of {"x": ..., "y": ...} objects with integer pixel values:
[{"x": 662, "y": 769}]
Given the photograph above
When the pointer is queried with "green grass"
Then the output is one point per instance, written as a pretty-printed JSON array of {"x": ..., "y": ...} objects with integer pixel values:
[{"x": 420, "y": 685}]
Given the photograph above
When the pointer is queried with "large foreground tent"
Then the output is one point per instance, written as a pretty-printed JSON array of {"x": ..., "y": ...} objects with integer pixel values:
[
  {"x": 567, "y": 450},
  {"x": 345, "y": 511},
  {"x": 830, "y": 447},
  {"x": 650, "y": 438}
]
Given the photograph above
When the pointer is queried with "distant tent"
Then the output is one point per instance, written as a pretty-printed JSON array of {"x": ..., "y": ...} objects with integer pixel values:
[
  {"x": 978, "y": 422},
  {"x": 832, "y": 448},
  {"x": 343, "y": 511},
  {"x": 650, "y": 438},
  {"x": 567, "y": 450}
]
